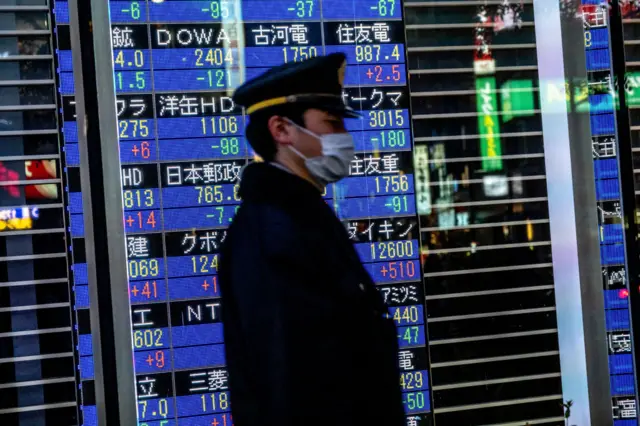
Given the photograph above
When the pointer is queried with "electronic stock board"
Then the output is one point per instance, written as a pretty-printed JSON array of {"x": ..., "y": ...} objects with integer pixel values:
[{"x": 182, "y": 149}]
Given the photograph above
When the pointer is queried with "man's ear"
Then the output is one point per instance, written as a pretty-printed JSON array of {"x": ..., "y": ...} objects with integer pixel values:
[{"x": 281, "y": 131}]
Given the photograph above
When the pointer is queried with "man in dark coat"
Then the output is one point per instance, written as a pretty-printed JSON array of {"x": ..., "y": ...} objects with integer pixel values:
[{"x": 307, "y": 339}]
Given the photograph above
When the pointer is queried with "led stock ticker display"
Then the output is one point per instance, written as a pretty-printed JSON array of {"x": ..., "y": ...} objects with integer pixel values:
[{"x": 182, "y": 148}]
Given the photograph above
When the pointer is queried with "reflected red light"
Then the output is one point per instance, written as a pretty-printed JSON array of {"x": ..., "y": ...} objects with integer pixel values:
[{"x": 623, "y": 294}]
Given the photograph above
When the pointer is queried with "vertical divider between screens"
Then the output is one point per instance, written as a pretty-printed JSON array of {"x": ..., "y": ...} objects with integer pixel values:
[
  {"x": 416, "y": 164},
  {"x": 102, "y": 202},
  {"x": 627, "y": 179},
  {"x": 66, "y": 213},
  {"x": 562, "y": 214}
]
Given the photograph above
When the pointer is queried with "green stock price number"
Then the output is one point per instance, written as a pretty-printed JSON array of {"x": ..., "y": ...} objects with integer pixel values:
[
  {"x": 217, "y": 78},
  {"x": 303, "y": 8},
  {"x": 399, "y": 204},
  {"x": 143, "y": 268},
  {"x": 219, "y": 9},
  {"x": 391, "y": 139},
  {"x": 414, "y": 401},
  {"x": 228, "y": 146},
  {"x": 385, "y": 7},
  {"x": 134, "y": 10}
]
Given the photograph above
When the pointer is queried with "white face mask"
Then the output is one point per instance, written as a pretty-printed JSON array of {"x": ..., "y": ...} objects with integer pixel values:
[{"x": 337, "y": 152}]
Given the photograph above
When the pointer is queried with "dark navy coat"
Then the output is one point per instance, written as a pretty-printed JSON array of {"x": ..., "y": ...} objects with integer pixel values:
[{"x": 306, "y": 340}]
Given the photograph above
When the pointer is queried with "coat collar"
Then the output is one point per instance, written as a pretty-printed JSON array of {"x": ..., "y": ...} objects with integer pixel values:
[{"x": 265, "y": 182}]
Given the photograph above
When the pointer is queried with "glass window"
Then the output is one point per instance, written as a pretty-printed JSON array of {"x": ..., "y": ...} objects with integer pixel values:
[
  {"x": 27, "y": 95},
  {"x": 26, "y": 70},
  {"x": 25, "y": 45},
  {"x": 27, "y": 120},
  {"x": 24, "y": 21}
]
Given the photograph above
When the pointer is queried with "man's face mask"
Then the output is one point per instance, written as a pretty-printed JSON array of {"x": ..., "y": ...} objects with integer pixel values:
[{"x": 337, "y": 153}]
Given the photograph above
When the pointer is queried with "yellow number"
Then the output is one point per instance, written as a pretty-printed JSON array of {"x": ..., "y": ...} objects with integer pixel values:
[
  {"x": 223, "y": 400},
  {"x": 204, "y": 264},
  {"x": 147, "y": 339},
  {"x": 412, "y": 380},
  {"x": 144, "y": 408},
  {"x": 140, "y": 128},
  {"x": 219, "y": 125},
  {"x": 138, "y": 58},
  {"x": 379, "y": 119},
  {"x": 120, "y": 58},
  {"x": 398, "y": 183},
  {"x": 396, "y": 52},
  {"x": 163, "y": 407},
  {"x": 209, "y": 194},
  {"x": 138, "y": 198},
  {"x": 587, "y": 39},
  {"x": 367, "y": 53},
  {"x": 236, "y": 192},
  {"x": 213, "y": 57},
  {"x": 143, "y": 268},
  {"x": 123, "y": 128},
  {"x": 299, "y": 53}
]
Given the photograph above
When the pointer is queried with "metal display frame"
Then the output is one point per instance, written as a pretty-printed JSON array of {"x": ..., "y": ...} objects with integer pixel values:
[
  {"x": 573, "y": 224},
  {"x": 102, "y": 202}
]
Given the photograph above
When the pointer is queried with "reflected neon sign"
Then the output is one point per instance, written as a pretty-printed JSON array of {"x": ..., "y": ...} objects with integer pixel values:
[{"x": 18, "y": 219}]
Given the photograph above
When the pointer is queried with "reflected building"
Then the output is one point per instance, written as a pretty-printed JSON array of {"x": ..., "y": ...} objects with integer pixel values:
[{"x": 484, "y": 220}]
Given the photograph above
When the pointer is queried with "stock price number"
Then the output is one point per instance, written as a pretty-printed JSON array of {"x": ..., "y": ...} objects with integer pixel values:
[
  {"x": 140, "y": 221},
  {"x": 219, "y": 9},
  {"x": 138, "y": 82},
  {"x": 213, "y": 57},
  {"x": 138, "y": 198},
  {"x": 391, "y": 138},
  {"x": 381, "y": 74},
  {"x": 217, "y": 78},
  {"x": 392, "y": 184},
  {"x": 219, "y": 125},
  {"x": 134, "y": 129},
  {"x": 404, "y": 315},
  {"x": 303, "y": 8},
  {"x": 399, "y": 204},
  {"x": 223, "y": 215},
  {"x": 387, "y": 118},
  {"x": 228, "y": 146},
  {"x": 215, "y": 402},
  {"x": 384, "y": 250},
  {"x": 410, "y": 335},
  {"x": 215, "y": 194},
  {"x": 126, "y": 61},
  {"x": 149, "y": 290},
  {"x": 143, "y": 268},
  {"x": 370, "y": 53},
  {"x": 157, "y": 360},
  {"x": 385, "y": 7},
  {"x": 299, "y": 53},
  {"x": 413, "y": 380},
  {"x": 205, "y": 264},
  {"x": 153, "y": 408},
  {"x": 415, "y": 401},
  {"x": 148, "y": 339},
  {"x": 399, "y": 270}
]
